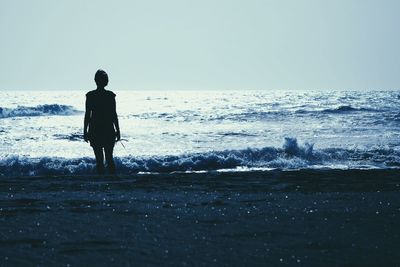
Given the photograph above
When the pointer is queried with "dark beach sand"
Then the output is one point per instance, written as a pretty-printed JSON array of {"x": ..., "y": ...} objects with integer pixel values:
[{"x": 301, "y": 218}]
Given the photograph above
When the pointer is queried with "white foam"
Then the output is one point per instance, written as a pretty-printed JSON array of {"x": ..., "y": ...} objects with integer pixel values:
[{"x": 290, "y": 157}]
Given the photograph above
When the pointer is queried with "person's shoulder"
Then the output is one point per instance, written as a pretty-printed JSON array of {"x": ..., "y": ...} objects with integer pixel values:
[
  {"x": 91, "y": 93},
  {"x": 110, "y": 93}
]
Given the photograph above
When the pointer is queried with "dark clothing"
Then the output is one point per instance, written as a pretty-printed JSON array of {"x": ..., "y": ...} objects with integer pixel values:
[{"x": 101, "y": 105}]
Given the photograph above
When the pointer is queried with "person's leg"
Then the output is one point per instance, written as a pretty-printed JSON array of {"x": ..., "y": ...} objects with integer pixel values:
[
  {"x": 108, "y": 151},
  {"x": 98, "y": 152}
]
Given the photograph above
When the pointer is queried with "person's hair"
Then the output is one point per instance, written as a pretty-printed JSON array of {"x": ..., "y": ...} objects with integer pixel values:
[{"x": 101, "y": 78}]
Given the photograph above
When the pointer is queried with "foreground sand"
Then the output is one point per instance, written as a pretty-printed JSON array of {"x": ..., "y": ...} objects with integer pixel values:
[{"x": 306, "y": 218}]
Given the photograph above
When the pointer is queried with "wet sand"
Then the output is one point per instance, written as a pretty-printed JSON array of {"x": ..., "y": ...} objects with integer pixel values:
[{"x": 301, "y": 218}]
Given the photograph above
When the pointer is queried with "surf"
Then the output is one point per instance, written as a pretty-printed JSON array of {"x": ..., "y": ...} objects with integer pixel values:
[{"x": 291, "y": 156}]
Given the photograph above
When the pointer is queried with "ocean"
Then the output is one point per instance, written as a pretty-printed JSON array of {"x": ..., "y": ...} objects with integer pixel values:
[
  {"x": 226, "y": 178},
  {"x": 202, "y": 131}
]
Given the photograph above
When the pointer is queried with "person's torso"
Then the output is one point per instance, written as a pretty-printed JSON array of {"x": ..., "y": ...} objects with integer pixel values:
[{"x": 101, "y": 104}]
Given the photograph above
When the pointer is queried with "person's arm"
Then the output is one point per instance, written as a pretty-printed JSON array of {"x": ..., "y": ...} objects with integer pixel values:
[
  {"x": 86, "y": 121},
  {"x": 115, "y": 121}
]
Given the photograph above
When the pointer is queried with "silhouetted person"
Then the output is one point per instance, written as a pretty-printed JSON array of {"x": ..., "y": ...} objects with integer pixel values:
[{"x": 101, "y": 127}]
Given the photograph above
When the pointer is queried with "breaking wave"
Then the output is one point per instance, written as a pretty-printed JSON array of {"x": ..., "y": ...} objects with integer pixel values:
[
  {"x": 290, "y": 157},
  {"x": 40, "y": 110}
]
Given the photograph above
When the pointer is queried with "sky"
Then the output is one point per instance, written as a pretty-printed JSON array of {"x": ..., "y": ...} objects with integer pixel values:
[{"x": 200, "y": 44}]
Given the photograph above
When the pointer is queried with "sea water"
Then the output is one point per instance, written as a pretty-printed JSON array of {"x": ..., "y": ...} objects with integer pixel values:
[{"x": 41, "y": 132}]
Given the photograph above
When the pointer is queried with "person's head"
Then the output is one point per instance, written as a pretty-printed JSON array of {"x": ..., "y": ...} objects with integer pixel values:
[{"x": 101, "y": 78}]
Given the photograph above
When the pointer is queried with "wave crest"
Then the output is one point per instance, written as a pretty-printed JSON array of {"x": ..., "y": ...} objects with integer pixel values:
[
  {"x": 290, "y": 156},
  {"x": 345, "y": 109},
  {"x": 40, "y": 110}
]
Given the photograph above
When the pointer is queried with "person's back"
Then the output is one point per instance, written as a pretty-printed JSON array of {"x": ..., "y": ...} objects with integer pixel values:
[{"x": 101, "y": 103}]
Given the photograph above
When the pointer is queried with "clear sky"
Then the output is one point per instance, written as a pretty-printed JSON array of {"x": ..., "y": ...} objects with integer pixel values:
[{"x": 200, "y": 44}]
